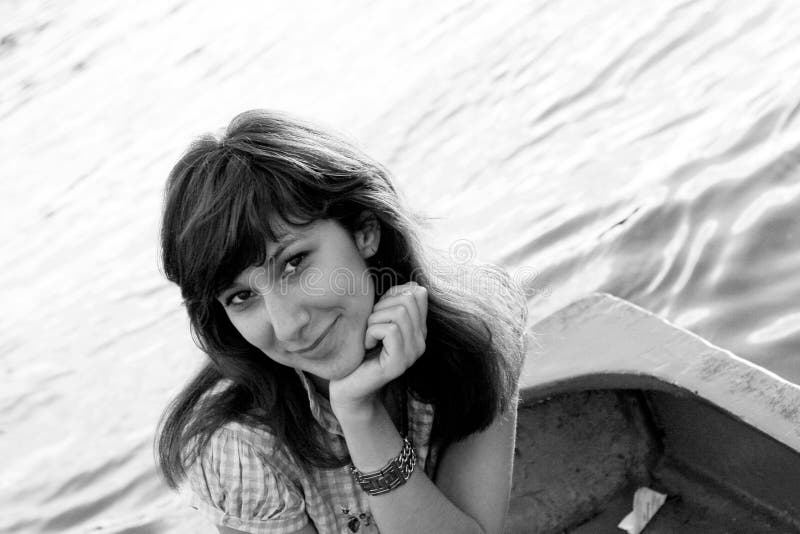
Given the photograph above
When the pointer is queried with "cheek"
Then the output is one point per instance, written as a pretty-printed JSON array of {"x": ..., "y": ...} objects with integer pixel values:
[
  {"x": 248, "y": 329},
  {"x": 364, "y": 303},
  {"x": 361, "y": 294},
  {"x": 349, "y": 285}
]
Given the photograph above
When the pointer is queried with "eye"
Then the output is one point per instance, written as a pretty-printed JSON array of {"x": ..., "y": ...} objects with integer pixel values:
[
  {"x": 238, "y": 298},
  {"x": 293, "y": 265}
]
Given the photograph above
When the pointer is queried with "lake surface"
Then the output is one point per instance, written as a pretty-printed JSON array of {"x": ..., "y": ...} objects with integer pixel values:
[{"x": 646, "y": 149}]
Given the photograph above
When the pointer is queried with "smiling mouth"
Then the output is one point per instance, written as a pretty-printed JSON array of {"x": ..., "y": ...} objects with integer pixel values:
[{"x": 316, "y": 343}]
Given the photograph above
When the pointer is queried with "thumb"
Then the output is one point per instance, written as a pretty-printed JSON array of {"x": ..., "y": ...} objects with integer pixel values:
[{"x": 370, "y": 341}]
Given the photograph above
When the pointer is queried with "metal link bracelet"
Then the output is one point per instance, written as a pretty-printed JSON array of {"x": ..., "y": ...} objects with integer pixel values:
[{"x": 392, "y": 475}]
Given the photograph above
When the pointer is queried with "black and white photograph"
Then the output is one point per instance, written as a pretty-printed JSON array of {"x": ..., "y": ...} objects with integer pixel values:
[{"x": 458, "y": 267}]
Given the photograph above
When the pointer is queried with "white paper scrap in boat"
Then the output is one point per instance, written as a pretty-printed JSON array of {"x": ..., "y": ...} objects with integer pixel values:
[{"x": 646, "y": 503}]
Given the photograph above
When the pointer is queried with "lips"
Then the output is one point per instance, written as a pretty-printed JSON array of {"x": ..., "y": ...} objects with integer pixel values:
[{"x": 317, "y": 342}]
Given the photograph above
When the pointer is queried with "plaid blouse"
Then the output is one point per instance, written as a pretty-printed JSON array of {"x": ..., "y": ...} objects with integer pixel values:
[{"x": 244, "y": 479}]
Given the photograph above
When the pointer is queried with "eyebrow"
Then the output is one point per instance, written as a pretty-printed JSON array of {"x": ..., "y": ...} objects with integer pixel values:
[{"x": 283, "y": 242}]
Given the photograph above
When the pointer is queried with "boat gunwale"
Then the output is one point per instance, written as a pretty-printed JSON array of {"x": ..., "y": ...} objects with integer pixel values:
[{"x": 647, "y": 352}]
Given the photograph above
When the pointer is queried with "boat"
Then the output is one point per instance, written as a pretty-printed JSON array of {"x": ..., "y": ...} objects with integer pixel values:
[{"x": 614, "y": 398}]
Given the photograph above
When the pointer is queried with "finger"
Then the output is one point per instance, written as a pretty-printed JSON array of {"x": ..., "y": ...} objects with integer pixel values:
[
  {"x": 421, "y": 298},
  {"x": 399, "y": 315},
  {"x": 401, "y": 309},
  {"x": 413, "y": 292},
  {"x": 397, "y": 290},
  {"x": 409, "y": 295},
  {"x": 393, "y": 359},
  {"x": 387, "y": 300},
  {"x": 370, "y": 341}
]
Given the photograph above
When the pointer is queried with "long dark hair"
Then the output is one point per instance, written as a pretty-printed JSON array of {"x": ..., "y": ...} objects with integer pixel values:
[{"x": 221, "y": 200}]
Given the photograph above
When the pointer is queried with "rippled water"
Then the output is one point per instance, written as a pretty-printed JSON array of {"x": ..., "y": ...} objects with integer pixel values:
[{"x": 648, "y": 149}]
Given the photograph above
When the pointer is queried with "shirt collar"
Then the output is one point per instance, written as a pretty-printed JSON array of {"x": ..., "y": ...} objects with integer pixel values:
[{"x": 320, "y": 406}]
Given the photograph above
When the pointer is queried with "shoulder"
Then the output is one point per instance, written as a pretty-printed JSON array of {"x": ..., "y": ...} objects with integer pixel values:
[
  {"x": 238, "y": 448},
  {"x": 244, "y": 479}
]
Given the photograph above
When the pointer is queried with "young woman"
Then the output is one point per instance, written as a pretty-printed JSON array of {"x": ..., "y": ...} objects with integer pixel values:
[{"x": 350, "y": 387}]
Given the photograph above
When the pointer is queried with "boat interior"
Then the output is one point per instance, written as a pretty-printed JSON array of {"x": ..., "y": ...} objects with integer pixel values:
[
  {"x": 582, "y": 453},
  {"x": 615, "y": 398}
]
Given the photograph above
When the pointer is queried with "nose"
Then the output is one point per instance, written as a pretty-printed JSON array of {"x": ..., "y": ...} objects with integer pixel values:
[{"x": 286, "y": 314}]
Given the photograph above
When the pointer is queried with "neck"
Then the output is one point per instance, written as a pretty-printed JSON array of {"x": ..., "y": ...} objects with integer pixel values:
[{"x": 320, "y": 384}]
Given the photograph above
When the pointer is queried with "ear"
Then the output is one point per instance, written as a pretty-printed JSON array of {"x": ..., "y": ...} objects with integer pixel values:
[{"x": 368, "y": 234}]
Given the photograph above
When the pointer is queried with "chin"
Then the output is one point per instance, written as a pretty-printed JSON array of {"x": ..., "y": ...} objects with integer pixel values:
[{"x": 343, "y": 368}]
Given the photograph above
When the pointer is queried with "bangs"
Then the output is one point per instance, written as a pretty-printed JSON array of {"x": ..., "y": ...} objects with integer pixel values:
[{"x": 240, "y": 208}]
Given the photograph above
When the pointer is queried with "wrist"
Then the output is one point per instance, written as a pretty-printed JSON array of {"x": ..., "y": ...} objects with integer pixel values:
[
  {"x": 361, "y": 411},
  {"x": 394, "y": 474}
]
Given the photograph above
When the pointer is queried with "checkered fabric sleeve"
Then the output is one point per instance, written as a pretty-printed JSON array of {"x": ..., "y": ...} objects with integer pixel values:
[{"x": 234, "y": 484}]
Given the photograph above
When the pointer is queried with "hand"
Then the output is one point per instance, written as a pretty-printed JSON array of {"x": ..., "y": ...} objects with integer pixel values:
[{"x": 398, "y": 322}]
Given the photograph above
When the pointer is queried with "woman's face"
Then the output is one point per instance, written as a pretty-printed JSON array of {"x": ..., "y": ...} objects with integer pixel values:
[{"x": 307, "y": 306}]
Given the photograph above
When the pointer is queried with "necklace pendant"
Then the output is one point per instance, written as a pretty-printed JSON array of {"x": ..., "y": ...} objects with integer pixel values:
[
  {"x": 354, "y": 524},
  {"x": 356, "y": 520}
]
